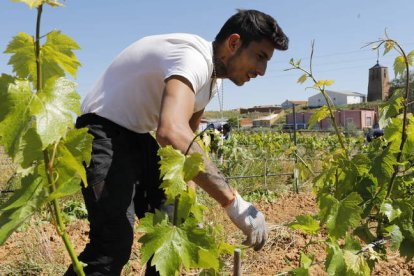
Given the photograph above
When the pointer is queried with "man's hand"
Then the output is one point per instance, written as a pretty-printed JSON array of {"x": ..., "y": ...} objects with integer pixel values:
[{"x": 248, "y": 219}]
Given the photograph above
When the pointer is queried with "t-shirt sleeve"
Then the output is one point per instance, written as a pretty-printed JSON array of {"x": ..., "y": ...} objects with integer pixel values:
[{"x": 187, "y": 62}]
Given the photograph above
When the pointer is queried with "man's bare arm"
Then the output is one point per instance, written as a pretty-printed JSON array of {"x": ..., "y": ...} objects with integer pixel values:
[{"x": 174, "y": 129}]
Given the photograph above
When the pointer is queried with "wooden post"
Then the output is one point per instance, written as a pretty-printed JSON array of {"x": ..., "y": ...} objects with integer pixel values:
[
  {"x": 296, "y": 177},
  {"x": 265, "y": 176},
  {"x": 237, "y": 262}
]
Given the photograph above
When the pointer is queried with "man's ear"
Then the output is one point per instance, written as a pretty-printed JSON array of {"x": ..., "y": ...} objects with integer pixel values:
[{"x": 234, "y": 42}]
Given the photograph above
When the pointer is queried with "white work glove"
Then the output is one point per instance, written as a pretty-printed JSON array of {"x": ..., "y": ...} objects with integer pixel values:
[{"x": 248, "y": 219}]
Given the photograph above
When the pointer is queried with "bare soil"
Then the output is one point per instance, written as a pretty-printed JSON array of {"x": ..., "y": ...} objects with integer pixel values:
[{"x": 38, "y": 250}]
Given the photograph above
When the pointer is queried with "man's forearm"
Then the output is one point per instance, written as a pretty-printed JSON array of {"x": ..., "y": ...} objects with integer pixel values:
[{"x": 212, "y": 180}]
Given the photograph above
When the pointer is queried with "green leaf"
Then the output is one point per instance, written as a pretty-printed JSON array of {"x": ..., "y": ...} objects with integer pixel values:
[
  {"x": 79, "y": 143},
  {"x": 399, "y": 66},
  {"x": 30, "y": 3},
  {"x": 356, "y": 265},
  {"x": 322, "y": 83},
  {"x": 396, "y": 236},
  {"x": 352, "y": 244},
  {"x": 392, "y": 212},
  {"x": 177, "y": 170},
  {"x": 410, "y": 57},
  {"x": 305, "y": 261},
  {"x": 171, "y": 247},
  {"x": 306, "y": 223},
  {"x": 392, "y": 132},
  {"x": 57, "y": 55},
  {"x": 72, "y": 153},
  {"x": 335, "y": 263},
  {"x": 300, "y": 271},
  {"x": 15, "y": 117},
  {"x": 390, "y": 109},
  {"x": 409, "y": 143},
  {"x": 364, "y": 233},
  {"x": 54, "y": 108},
  {"x": 187, "y": 204},
  {"x": 388, "y": 45},
  {"x": 24, "y": 202},
  {"x": 303, "y": 78},
  {"x": 340, "y": 215},
  {"x": 23, "y": 58},
  {"x": 407, "y": 249},
  {"x": 318, "y": 116},
  {"x": 193, "y": 165},
  {"x": 382, "y": 166},
  {"x": 30, "y": 149}
]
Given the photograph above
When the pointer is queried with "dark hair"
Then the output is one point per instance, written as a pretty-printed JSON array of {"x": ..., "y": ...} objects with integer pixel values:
[{"x": 253, "y": 25}]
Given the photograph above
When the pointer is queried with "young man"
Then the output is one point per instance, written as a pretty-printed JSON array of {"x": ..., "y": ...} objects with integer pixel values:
[{"x": 163, "y": 83}]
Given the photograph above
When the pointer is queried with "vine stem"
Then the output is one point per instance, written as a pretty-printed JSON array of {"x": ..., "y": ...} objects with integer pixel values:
[
  {"x": 404, "y": 126},
  {"x": 60, "y": 226}
]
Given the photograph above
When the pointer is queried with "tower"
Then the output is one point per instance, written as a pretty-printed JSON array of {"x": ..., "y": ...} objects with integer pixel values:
[{"x": 378, "y": 83}]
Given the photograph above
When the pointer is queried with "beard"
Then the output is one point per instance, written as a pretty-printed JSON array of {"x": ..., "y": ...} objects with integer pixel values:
[{"x": 223, "y": 70}]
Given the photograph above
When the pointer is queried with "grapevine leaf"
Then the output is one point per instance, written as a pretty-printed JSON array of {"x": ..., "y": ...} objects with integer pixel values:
[
  {"x": 352, "y": 244},
  {"x": 319, "y": 115},
  {"x": 392, "y": 212},
  {"x": 303, "y": 78},
  {"x": 30, "y": 149},
  {"x": 166, "y": 244},
  {"x": 393, "y": 131},
  {"x": 364, "y": 233},
  {"x": 391, "y": 108},
  {"x": 57, "y": 54},
  {"x": 356, "y": 265},
  {"x": 300, "y": 271},
  {"x": 306, "y": 223},
  {"x": 54, "y": 107},
  {"x": 73, "y": 152},
  {"x": 171, "y": 163},
  {"x": 396, "y": 236},
  {"x": 189, "y": 205},
  {"x": 382, "y": 166},
  {"x": 305, "y": 261},
  {"x": 23, "y": 58},
  {"x": 388, "y": 45},
  {"x": 177, "y": 170},
  {"x": 21, "y": 205},
  {"x": 335, "y": 263},
  {"x": 399, "y": 66},
  {"x": 409, "y": 143},
  {"x": 410, "y": 57},
  {"x": 69, "y": 173},
  {"x": 30, "y": 3},
  {"x": 172, "y": 246},
  {"x": 340, "y": 215},
  {"x": 407, "y": 249},
  {"x": 323, "y": 83},
  {"x": 192, "y": 166},
  {"x": 15, "y": 116},
  {"x": 79, "y": 143},
  {"x": 206, "y": 244}
]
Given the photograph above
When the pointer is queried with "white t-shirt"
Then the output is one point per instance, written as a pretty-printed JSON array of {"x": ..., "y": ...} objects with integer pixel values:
[{"x": 129, "y": 92}]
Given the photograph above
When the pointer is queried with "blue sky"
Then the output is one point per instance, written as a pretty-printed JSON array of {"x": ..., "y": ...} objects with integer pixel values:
[{"x": 340, "y": 29}]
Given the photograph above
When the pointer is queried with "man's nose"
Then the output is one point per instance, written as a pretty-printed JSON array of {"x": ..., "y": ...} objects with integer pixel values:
[{"x": 261, "y": 68}]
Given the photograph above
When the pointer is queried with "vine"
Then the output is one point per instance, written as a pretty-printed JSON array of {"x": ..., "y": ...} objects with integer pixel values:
[
  {"x": 365, "y": 198},
  {"x": 37, "y": 105}
]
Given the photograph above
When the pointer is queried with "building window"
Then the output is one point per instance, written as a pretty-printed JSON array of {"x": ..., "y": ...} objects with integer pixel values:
[{"x": 368, "y": 121}]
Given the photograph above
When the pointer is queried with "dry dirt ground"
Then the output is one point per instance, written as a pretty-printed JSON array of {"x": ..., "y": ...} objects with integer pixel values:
[{"x": 38, "y": 250}]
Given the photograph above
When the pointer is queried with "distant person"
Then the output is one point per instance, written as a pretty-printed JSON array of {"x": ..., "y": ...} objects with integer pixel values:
[
  {"x": 226, "y": 129},
  {"x": 162, "y": 83}
]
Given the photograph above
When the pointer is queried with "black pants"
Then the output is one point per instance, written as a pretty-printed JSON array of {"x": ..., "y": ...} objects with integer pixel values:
[{"x": 123, "y": 181}]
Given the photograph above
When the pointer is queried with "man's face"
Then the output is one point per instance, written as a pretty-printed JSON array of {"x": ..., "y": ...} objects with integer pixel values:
[{"x": 247, "y": 63}]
